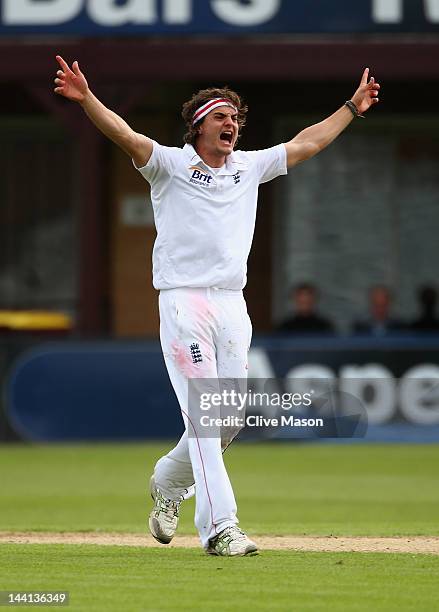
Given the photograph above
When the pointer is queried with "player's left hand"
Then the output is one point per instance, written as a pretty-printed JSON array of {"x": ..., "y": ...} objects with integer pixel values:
[{"x": 367, "y": 93}]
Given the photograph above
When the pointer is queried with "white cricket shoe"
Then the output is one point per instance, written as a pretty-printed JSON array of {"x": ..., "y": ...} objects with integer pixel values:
[
  {"x": 231, "y": 542},
  {"x": 163, "y": 519}
]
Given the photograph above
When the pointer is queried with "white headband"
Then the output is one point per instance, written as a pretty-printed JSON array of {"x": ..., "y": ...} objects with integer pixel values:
[{"x": 210, "y": 105}]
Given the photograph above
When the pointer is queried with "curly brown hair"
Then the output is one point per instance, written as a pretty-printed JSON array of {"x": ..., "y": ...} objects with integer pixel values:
[{"x": 203, "y": 96}]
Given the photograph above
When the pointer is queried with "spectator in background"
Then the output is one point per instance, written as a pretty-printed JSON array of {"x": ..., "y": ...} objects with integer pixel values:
[
  {"x": 305, "y": 318},
  {"x": 380, "y": 321},
  {"x": 427, "y": 321}
]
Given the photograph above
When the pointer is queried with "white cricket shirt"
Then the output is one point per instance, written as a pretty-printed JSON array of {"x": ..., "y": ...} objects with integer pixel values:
[{"x": 205, "y": 219}]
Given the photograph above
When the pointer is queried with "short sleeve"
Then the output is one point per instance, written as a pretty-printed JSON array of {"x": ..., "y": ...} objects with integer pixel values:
[
  {"x": 162, "y": 163},
  {"x": 270, "y": 163}
]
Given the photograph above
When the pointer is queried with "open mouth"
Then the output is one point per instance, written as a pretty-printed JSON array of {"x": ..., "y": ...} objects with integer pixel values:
[{"x": 227, "y": 137}]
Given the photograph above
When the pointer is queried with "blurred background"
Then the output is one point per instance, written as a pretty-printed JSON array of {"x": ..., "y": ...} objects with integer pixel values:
[{"x": 342, "y": 278}]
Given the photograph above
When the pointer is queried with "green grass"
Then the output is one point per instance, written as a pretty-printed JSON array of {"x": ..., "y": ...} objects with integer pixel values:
[
  {"x": 116, "y": 578},
  {"x": 280, "y": 488}
]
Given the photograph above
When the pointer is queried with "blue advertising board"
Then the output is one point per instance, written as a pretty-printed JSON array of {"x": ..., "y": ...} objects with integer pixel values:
[
  {"x": 223, "y": 17},
  {"x": 71, "y": 391}
]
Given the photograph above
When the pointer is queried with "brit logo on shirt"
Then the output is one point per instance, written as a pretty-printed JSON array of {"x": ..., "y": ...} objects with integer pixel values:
[
  {"x": 200, "y": 177},
  {"x": 236, "y": 178},
  {"x": 196, "y": 353}
]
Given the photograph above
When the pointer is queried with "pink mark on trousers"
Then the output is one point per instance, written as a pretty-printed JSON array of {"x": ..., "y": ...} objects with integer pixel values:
[
  {"x": 195, "y": 322},
  {"x": 204, "y": 309},
  {"x": 183, "y": 360}
]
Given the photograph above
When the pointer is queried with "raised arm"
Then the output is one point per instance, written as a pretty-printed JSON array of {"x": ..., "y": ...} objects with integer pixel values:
[
  {"x": 313, "y": 139},
  {"x": 72, "y": 84}
]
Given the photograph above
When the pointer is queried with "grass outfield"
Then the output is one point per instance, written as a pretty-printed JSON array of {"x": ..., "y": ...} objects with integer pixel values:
[
  {"x": 281, "y": 489},
  {"x": 116, "y": 578}
]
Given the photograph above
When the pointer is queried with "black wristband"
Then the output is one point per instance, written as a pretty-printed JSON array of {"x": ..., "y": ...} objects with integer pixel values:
[{"x": 354, "y": 110}]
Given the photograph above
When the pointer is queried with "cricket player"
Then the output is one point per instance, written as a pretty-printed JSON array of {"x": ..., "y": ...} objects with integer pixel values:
[{"x": 204, "y": 197}]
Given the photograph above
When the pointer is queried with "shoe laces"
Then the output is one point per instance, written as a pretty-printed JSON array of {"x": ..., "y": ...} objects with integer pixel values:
[
  {"x": 232, "y": 533},
  {"x": 171, "y": 507}
]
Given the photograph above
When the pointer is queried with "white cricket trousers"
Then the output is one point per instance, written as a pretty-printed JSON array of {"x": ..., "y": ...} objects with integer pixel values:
[{"x": 204, "y": 333}]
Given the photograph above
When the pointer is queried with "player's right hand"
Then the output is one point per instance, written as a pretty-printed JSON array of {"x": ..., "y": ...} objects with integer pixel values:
[{"x": 70, "y": 83}]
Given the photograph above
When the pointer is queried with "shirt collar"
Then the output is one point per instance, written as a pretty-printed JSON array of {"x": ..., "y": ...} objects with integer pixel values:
[{"x": 232, "y": 166}]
